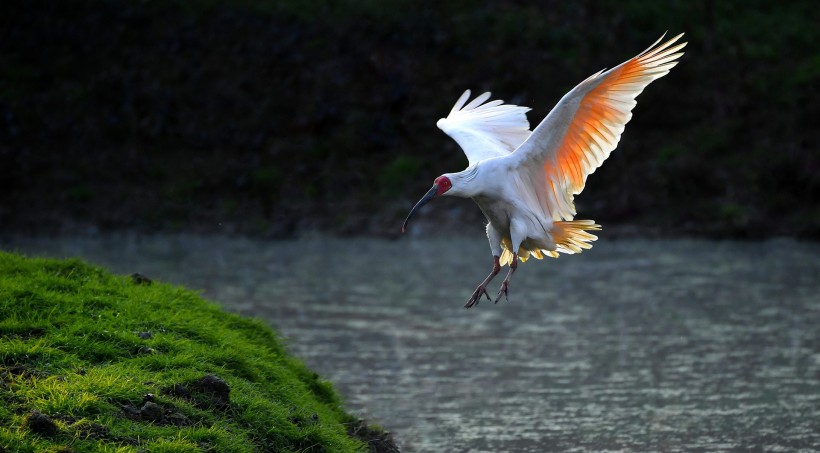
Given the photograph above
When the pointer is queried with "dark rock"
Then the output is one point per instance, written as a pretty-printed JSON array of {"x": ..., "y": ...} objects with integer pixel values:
[
  {"x": 178, "y": 419},
  {"x": 130, "y": 411},
  {"x": 41, "y": 424},
  {"x": 377, "y": 440},
  {"x": 217, "y": 389},
  {"x": 179, "y": 391},
  {"x": 145, "y": 335},
  {"x": 139, "y": 279},
  {"x": 151, "y": 411}
]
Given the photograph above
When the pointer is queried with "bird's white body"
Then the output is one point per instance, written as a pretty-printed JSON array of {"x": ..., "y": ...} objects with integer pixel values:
[
  {"x": 505, "y": 195},
  {"x": 524, "y": 182}
]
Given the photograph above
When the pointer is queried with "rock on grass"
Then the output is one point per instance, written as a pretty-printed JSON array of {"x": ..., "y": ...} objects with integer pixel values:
[
  {"x": 215, "y": 388},
  {"x": 41, "y": 424}
]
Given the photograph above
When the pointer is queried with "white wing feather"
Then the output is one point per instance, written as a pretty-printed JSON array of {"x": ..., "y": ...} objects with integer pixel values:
[{"x": 484, "y": 131}]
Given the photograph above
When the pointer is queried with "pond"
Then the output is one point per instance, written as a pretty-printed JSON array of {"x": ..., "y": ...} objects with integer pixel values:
[{"x": 663, "y": 345}]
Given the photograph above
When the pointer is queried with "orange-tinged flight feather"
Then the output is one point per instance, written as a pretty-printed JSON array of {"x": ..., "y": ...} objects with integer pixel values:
[
  {"x": 602, "y": 113},
  {"x": 585, "y": 126}
]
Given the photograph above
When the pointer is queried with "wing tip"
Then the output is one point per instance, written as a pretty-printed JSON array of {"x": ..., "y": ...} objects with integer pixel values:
[
  {"x": 656, "y": 48},
  {"x": 460, "y": 102}
]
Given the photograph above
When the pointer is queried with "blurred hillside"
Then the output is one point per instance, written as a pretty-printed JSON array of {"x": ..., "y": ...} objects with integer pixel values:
[{"x": 269, "y": 118}]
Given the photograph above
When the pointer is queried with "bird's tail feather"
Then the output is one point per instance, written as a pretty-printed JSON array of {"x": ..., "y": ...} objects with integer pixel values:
[
  {"x": 572, "y": 236},
  {"x": 569, "y": 236}
]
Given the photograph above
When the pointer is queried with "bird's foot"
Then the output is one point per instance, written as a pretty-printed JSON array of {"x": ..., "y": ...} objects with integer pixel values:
[
  {"x": 506, "y": 283},
  {"x": 503, "y": 291},
  {"x": 476, "y": 297}
]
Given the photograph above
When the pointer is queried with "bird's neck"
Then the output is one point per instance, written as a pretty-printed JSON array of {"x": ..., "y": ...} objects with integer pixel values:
[{"x": 465, "y": 183}]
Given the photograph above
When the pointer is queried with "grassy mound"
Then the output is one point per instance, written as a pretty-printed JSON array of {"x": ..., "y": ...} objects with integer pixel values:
[{"x": 90, "y": 361}]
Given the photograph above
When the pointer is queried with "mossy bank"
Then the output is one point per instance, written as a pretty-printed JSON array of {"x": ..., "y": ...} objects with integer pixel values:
[{"x": 90, "y": 361}]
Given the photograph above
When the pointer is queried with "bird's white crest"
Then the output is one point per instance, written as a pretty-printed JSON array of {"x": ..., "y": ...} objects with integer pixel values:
[{"x": 485, "y": 130}]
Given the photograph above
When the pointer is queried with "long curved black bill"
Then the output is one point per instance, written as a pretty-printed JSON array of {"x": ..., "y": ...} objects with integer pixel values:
[{"x": 427, "y": 197}]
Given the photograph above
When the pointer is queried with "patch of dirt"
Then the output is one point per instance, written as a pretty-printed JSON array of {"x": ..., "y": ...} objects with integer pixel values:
[
  {"x": 41, "y": 423},
  {"x": 34, "y": 332},
  {"x": 24, "y": 371},
  {"x": 86, "y": 429},
  {"x": 206, "y": 392},
  {"x": 93, "y": 431},
  {"x": 178, "y": 391},
  {"x": 158, "y": 414},
  {"x": 139, "y": 279},
  {"x": 378, "y": 441}
]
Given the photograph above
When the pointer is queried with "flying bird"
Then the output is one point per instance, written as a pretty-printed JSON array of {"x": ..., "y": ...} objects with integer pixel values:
[{"x": 524, "y": 182}]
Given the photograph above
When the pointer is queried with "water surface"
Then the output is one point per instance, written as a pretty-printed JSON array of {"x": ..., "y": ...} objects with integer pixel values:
[{"x": 666, "y": 345}]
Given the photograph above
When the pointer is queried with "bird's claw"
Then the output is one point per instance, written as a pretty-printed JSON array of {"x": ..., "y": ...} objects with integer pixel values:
[
  {"x": 476, "y": 297},
  {"x": 503, "y": 291}
]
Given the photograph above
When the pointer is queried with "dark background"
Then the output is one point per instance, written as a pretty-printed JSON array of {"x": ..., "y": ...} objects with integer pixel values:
[{"x": 273, "y": 118}]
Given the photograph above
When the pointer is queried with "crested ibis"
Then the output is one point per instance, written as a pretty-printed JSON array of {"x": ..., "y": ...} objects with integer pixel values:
[{"x": 525, "y": 181}]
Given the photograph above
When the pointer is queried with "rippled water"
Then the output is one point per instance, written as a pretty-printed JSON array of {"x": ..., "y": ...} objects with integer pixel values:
[{"x": 664, "y": 346}]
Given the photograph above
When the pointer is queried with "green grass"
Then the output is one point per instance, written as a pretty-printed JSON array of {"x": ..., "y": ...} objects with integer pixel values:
[{"x": 90, "y": 350}]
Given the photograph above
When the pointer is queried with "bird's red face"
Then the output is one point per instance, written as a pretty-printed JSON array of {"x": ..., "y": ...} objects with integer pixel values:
[{"x": 441, "y": 185}]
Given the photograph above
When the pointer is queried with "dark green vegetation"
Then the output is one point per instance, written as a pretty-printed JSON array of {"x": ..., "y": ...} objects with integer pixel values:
[
  {"x": 90, "y": 361},
  {"x": 270, "y": 117}
]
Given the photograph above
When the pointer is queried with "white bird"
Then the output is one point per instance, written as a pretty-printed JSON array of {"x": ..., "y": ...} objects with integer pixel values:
[{"x": 524, "y": 182}]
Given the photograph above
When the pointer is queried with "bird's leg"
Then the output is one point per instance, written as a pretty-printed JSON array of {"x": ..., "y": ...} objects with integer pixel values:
[
  {"x": 482, "y": 288},
  {"x": 518, "y": 232},
  {"x": 506, "y": 282}
]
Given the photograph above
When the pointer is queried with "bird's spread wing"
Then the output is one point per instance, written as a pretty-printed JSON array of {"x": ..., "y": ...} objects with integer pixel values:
[
  {"x": 486, "y": 130},
  {"x": 586, "y": 125}
]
